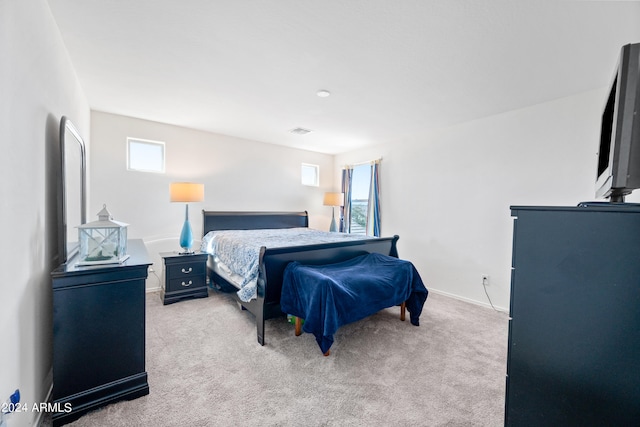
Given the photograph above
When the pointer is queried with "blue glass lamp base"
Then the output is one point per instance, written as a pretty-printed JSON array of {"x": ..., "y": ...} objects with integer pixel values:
[
  {"x": 333, "y": 228},
  {"x": 186, "y": 238}
]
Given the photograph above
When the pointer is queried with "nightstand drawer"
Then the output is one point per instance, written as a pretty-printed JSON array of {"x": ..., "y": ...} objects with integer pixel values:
[
  {"x": 185, "y": 283},
  {"x": 185, "y": 270}
]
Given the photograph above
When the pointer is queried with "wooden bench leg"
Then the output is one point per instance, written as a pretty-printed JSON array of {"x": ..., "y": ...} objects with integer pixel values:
[
  {"x": 403, "y": 309},
  {"x": 298, "y": 326},
  {"x": 299, "y": 332}
]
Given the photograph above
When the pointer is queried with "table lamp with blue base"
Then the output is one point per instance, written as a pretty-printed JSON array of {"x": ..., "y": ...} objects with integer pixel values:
[
  {"x": 186, "y": 192},
  {"x": 333, "y": 200}
]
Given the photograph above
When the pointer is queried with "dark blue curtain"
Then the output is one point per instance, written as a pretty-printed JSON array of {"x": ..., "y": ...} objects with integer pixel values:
[
  {"x": 373, "y": 210},
  {"x": 345, "y": 211}
]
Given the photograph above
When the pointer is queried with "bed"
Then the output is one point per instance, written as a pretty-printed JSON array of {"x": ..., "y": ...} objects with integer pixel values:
[{"x": 272, "y": 261}]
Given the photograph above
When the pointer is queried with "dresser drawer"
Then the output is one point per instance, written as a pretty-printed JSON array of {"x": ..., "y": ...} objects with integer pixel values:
[{"x": 185, "y": 269}]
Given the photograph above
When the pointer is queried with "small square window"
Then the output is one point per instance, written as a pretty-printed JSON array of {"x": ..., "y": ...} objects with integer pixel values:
[
  {"x": 145, "y": 156},
  {"x": 310, "y": 175}
]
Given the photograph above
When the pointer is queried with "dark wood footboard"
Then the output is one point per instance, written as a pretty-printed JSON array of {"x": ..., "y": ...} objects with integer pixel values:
[{"x": 273, "y": 261}]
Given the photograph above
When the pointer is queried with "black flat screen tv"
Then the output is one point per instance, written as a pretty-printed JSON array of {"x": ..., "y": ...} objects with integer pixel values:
[{"x": 619, "y": 153}]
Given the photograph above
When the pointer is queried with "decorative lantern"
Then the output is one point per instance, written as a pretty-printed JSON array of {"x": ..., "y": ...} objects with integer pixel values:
[{"x": 103, "y": 241}]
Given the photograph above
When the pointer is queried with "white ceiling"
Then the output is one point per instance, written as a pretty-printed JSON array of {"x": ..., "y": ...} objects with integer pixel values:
[{"x": 396, "y": 68}]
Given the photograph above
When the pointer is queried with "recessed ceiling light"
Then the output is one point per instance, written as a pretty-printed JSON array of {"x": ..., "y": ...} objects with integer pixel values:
[
  {"x": 300, "y": 131},
  {"x": 323, "y": 93}
]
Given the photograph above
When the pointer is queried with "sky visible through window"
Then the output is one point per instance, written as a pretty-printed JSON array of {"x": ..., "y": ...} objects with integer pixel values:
[
  {"x": 360, "y": 182},
  {"x": 146, "y": 156},
  {"x": 310, "y": 174}
]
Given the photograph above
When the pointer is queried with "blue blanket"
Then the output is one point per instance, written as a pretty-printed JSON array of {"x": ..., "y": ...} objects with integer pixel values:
[{"x": 329, "y": 296}]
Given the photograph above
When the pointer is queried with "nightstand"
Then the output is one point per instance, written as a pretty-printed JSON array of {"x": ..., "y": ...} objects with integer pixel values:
[{"x": 185, "y": 276}]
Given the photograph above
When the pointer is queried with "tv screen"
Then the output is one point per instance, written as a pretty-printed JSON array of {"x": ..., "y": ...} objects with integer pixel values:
[{"x": 618, "y": 172}]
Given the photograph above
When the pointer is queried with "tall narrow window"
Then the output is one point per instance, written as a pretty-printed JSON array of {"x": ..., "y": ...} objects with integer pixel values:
[
  {"x": 361, "y": 212},
  {"x": 360, "y": 182},
  {"x": 144, "y": 155}
]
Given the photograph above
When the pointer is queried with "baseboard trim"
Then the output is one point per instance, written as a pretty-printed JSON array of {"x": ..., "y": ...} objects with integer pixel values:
[
  {"x": 469, "y": 300},
  {"x": 435, "y": 291},
  {"x": 48, "y": 383}
]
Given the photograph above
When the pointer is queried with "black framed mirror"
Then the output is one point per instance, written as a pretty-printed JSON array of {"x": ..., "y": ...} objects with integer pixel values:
[{"x": 73, "y": 192}]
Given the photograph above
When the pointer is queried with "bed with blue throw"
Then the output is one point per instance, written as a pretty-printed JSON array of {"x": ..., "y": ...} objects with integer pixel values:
[
  {"x": 256, "y": 275},
  {"x": 330, "y": 296}
]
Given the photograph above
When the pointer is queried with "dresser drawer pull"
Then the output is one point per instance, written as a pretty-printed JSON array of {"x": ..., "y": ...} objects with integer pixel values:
[
  {"x": 187, "y": 271},
  {"x": 187, "y": 284}
]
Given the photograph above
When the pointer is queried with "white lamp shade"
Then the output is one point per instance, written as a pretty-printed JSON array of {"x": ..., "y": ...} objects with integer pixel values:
[
  {"x": 186, "y": 192},
  {"x": 333, "y": 199}
]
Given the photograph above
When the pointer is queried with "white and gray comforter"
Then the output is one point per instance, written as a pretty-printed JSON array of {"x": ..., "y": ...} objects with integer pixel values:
[{"x": 239, "y": 250}]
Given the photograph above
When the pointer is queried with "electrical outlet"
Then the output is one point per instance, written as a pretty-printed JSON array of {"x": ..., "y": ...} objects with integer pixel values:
[{"x": 485, "y": 280}]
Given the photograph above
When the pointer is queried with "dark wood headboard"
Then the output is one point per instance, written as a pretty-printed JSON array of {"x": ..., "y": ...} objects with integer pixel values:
[{"x": 215, "y": 220}]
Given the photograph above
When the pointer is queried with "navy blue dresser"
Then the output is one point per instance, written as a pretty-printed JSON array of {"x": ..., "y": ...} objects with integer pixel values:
[
  {"x": 574, "y": 336},
  {"x": 99, "y": 334}
]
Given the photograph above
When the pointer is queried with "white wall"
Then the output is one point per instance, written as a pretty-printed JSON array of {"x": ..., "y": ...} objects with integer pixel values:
[
  {"x": 38, "y": 86},
  {"x": 238, "y": 175},
  {"x": 448, "y": 194}
]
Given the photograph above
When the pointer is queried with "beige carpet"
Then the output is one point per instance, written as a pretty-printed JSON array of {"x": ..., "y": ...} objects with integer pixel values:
[{"x": 206, "y": 369}]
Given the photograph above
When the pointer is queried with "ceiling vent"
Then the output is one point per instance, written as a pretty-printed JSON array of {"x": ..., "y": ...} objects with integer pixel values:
[{"x": 300, "y": 131}]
